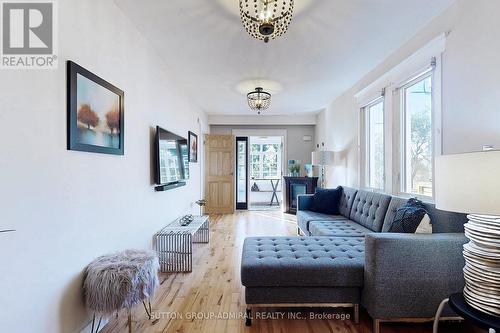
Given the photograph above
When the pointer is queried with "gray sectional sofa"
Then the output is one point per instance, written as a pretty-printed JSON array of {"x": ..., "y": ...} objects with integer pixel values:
[{"x": 351, "y": 258}]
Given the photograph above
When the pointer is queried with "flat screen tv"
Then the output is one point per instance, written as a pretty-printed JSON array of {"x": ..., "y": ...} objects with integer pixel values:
[{"x": 172, "y": 165}]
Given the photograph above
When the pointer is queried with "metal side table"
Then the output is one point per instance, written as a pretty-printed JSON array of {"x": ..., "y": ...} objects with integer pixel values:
[
  {"x": 475, "y": 317},
  {"x": 174, "y": 243}
]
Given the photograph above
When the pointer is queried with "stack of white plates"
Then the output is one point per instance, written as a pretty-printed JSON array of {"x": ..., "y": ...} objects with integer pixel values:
[{"x": 482, "y": 263}]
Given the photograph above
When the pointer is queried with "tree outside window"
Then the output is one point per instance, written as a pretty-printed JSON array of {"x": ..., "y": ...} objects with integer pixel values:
[{"x": 418, "y": 137}]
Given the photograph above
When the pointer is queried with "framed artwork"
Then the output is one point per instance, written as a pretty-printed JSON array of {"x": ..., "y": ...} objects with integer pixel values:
[
  {"x": 193, "y": 147},
  {"x": 95, "y": 113}
]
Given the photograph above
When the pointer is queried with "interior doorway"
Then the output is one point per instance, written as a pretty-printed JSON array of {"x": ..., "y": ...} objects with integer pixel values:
[{"x": 265, "y": 164}]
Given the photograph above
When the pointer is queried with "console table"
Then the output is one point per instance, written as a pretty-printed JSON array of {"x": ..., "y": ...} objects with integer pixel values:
[
  {"x": 174, "y": 243},
  {"x": 295, "y": 186},
  {"x": 274, "y": 185}
]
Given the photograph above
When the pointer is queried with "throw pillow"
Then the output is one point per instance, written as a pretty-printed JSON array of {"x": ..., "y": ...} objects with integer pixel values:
[
  {"x": 326, "y": 201},
  {"x": 408, "y": 217},
  {"x": 425, "y": 226}
]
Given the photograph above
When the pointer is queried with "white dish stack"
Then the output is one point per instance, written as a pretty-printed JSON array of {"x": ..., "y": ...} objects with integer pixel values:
[{"x": 482, "y": 263}]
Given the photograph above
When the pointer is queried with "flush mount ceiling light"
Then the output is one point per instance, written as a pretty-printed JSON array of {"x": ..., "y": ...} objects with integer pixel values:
[
  {"x": 266, "y": 19},
  {"x": 259, "y": 100}
]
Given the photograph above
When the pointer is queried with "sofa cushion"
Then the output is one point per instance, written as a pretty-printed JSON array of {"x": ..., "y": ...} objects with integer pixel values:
[
  {"x": 302, "y": 262},
  {"x": 346, "y": 200},
  {"x": 326, "y": 201},
  {"x": 339, "y": 228},
  {"x": 304, "y": 217},
  {"x": 394, "y": 205},
  {"x": 369, "y": 209}
]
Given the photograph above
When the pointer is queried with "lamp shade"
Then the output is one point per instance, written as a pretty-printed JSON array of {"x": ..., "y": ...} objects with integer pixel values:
[
  {"x": 323, "y": 157},
  {"x": 468, "y": 183}
]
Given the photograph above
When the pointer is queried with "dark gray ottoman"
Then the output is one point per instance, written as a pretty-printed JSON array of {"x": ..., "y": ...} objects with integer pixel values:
[{"x": 302, "y": 271}]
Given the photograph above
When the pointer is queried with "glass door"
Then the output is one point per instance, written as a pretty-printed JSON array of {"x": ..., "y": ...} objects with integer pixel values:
[{"x": 241, "y": 173}]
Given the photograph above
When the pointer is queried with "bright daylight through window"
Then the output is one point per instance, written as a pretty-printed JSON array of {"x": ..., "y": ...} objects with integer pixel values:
[
  {"x": 375, "y": 144},
  {"x": 264, "y": 160},
  {"x": 417, "y": 136}
]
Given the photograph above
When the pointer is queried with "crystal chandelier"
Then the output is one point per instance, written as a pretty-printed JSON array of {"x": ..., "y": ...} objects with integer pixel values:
[
  {"x": 259, "y": 99},
  {"x": 266, "y": 19}
]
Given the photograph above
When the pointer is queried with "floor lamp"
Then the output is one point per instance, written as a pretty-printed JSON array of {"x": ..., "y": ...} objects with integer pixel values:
[
  {"x": 470, "y": 183},
  {"x": 322, "y": 158}
]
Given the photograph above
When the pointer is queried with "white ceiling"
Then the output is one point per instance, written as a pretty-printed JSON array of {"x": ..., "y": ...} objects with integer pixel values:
[{"x": 330, "y": 45}]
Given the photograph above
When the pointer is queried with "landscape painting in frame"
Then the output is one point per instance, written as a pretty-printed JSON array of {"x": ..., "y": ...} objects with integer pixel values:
[
  {"x": 193, "y": 147},
  {"x": 95, "y": 113}
]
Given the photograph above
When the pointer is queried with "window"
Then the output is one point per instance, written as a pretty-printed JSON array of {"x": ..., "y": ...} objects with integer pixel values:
[
  {"x": 241, "y": 170},
  {"x": 374, "y": 152},
  {"x": 417, "y": 146},
  {"x": 264, "y": 160},
  {"x": 401, "y": 134}
]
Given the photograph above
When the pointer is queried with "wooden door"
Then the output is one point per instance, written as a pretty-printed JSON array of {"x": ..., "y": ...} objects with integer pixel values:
[{"x": 219, "y": 174}]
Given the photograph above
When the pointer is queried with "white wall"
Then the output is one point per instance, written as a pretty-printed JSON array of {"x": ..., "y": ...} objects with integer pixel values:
[
  {"x": 336, "y": 130},
  {"x": 69, "y": 207},
  {"x": 237, "y": 120},
  {"x": 470, "y": 88},
  {"x": 297, "y": 149}
]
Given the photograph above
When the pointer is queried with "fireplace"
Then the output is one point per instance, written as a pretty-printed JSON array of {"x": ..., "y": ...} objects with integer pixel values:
[{"x": 295, "y": 186}]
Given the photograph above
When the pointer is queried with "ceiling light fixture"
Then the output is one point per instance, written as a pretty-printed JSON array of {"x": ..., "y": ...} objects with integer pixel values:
[
  {"x": 259, "y": 100},
  {"x": 266, "y": 19}
]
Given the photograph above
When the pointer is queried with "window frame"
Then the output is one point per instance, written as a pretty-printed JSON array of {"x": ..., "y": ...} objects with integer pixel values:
[
  {"x": 403, "y": 181},
  {"x": 427, "y": 59},
  {"x": 261, "y": 155},
  {"x": 365, "y": 114},
  {"x": 399, "y": 144}
]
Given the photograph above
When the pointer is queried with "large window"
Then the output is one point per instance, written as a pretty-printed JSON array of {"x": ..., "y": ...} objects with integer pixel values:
[
  {"x": 264, "y": 161},
  {"x": 374, "y": 133},
  {"x": 417, "y": 147},
  {"x": 400, "y": 134}
]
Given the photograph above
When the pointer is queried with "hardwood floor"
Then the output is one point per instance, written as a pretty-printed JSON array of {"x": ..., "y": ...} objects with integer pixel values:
[{"x": 198, "y": 301}]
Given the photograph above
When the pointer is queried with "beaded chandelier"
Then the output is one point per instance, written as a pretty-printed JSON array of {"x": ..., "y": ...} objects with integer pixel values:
[
  {"x": 266, "y": 19},
  {"x": 259, "y": 100}
]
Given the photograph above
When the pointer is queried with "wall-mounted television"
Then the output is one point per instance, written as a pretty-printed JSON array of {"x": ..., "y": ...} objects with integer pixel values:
[{"x": 172, "y": 164}]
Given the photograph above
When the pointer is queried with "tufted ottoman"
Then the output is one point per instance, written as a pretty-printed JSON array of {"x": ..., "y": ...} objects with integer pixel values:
[{"x": 302, "y": 271}]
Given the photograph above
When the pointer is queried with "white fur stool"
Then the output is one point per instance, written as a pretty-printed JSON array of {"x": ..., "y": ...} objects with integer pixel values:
[{"x": 120, "y": 281}]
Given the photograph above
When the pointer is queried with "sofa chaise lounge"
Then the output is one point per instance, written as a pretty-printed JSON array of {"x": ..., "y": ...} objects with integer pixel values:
[{"x": 351, "y": 259}]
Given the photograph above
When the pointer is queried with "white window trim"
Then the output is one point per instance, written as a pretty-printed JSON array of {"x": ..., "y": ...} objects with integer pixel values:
[
  {"x": 261, "y": 155},
  {"x": 365, "y": 144},
  {"x": 390, "y": 82},
  {"x": 433, "y": 70}
]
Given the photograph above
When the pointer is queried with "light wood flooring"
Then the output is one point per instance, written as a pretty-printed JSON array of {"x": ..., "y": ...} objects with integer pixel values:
[{"x": 214, "y": 290}]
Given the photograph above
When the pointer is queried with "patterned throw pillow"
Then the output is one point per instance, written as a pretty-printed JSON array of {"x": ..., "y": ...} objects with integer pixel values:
[
  {"x": 326, "y": 201},
  {"x": 408, "y": 217}
]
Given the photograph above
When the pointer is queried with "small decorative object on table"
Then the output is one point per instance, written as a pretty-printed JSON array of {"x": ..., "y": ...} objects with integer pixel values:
[
  {"x": 120, "y": 281},
  {"x": 294, "y": 168},
  {"x": 309, "y": 170},
  {"x": 202, "y": 203},
  {"x": 186, "y": 220}
]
